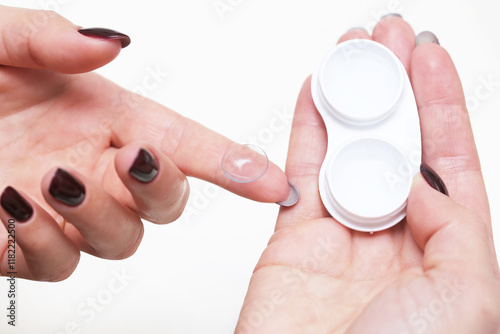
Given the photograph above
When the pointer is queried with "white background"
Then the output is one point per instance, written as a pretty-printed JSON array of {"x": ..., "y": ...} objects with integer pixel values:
[{"x": 232, "y": 73}]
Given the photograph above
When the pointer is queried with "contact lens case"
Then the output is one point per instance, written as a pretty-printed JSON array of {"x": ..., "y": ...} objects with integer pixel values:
[{"x": 365, "y": 98}]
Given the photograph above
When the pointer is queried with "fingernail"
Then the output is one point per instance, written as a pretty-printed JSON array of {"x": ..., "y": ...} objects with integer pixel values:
[
  {"x": 358, "y": 28},
  {"x": 145, "y": 166},
  {"x": 66, "y": 189},
  {"x": 293, "y": 198},
  {"x": 107, "y": 34},
  {"x": 426, "y": 37},
  {"x": 433, "y": 178},
  {"x": 391, "y": 15},
  {"x": 16, "y": 205}
]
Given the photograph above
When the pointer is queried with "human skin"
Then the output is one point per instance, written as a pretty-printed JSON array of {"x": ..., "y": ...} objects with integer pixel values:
[
  {"x": 53, "y": 114},
  {"x": 434, "y": 272}
]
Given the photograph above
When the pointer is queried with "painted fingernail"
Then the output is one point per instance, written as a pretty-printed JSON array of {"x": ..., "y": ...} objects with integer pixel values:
[
  {"x": 293, "y": 198},
  {"x": 426, "y": 37},
  {"x": 107, "y": 34},
  {"x": 66, "y": 188},
  {"x": 433, "y": 178},
  {"x": 16, "y": 205},
  {"x": 145, "y": 166},
  {"x": 391, "y": 15}
]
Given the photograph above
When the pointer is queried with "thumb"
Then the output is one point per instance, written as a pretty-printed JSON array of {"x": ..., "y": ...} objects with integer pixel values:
[
  {"x": 44, "y": 39},
  {"x": 451, "y": 236}
]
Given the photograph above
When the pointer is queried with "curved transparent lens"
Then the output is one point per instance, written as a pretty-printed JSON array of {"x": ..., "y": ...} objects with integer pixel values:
[{"x": 244, "y": 163}]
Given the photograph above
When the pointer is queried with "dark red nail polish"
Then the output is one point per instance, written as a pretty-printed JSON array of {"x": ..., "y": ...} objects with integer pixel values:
[
  {"x": 145, "y": 166},
  {"x": 106, "y": 34},
  {"x": 12, "y": 202},
  {"x": 66, "y": 189},
  {"x": 433, "y": 178}
]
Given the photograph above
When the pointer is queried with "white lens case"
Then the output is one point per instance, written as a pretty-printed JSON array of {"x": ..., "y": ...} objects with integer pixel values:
[{"x": 363, "y": 93}]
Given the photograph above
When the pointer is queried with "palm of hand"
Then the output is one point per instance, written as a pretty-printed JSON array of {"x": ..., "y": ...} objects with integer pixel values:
[
  {"x": 54, "y": 124},
  {"x": 319, "y": 276}
]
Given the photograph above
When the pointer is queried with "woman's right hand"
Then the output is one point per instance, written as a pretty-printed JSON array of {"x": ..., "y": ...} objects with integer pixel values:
[{"x": 78, "y": 147}]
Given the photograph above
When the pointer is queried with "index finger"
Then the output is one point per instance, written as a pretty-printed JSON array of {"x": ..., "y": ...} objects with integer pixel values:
[{"x": 196, "y": 150}]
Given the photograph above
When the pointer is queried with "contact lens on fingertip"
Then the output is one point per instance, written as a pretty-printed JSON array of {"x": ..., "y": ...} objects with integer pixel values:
[{"x": 244, "y": 163}]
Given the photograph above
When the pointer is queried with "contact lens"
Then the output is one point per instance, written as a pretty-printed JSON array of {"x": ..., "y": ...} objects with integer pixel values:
[{"x": 244, "y": 163}]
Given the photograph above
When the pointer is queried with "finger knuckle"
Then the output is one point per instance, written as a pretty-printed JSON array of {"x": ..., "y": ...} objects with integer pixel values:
[
  {"x": 44, "y": 16},
  {"x": 38, "y": 24}
]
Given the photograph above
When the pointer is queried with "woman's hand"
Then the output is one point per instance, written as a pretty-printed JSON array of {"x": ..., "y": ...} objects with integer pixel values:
[
  {"x": 435, "y": 272},
  {"x": 78, "y": 147}
]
